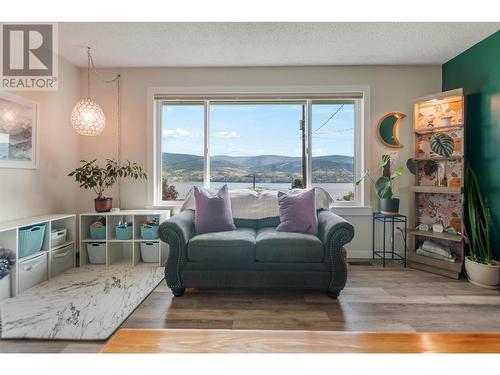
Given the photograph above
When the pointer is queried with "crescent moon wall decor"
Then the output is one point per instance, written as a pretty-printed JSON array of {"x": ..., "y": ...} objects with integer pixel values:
[{"x": 388, "y": 129}]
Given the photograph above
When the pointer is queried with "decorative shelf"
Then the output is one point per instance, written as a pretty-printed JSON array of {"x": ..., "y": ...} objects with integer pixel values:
[
  {"x": 436, "y": 189},
  {"x": 436, "y": 263},
  {"x": 438, "y": 113},
  {"x": 443, "y": 236},
  {"x": 439, "y": 158},
  {"x": 439, "y": 128}
]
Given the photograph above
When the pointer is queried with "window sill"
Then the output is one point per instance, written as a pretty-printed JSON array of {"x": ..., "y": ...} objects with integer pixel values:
[{"x": 351, "y": 211}]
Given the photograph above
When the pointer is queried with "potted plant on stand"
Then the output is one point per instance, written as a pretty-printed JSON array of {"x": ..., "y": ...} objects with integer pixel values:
[
  {"x": 92, "y": 176},
  {"x": 384, "y": 186},
  {"x": 481, "y": 268}
]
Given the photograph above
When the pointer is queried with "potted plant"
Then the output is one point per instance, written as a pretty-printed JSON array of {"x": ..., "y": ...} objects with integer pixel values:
[
  {"x": 7, "y": 261},
  {"x": 481, "y": 268},
  {"x": 384, "y": 185},
  {"x": 91, "y": 176}
]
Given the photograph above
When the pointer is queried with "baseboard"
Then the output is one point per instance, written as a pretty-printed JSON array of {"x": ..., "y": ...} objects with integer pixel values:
[{"x": 359, "y": 254}]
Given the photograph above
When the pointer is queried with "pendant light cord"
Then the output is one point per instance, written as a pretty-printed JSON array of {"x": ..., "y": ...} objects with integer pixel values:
[{"x": 90, "y": 65}]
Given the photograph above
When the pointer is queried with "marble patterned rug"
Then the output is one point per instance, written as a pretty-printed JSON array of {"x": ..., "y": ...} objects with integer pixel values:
[{"x": 87, "y": 303}]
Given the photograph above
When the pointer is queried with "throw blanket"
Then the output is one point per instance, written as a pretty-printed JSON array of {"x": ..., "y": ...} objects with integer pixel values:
[
  {"x": 449, "y": 258},
  {"x": 435, "y": 248},
  {"x": 250, "y": 204}
]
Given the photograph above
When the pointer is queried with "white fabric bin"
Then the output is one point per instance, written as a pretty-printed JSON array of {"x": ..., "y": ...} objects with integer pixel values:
[
  {"x": 96, "y": 252},
  {"x": 57, "y": 237},
  {"x": 32, "y": 272},
  {"x": 150, "y": 252},
  {"x": 61, "y": 260}
]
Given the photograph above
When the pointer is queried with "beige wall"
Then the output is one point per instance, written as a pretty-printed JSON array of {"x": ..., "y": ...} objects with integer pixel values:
[
  {"x": 392, "y": 89},
  {"x": 31, "y": 192}
]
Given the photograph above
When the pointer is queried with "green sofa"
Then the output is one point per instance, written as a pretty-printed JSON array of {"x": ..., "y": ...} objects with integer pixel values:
[{"x": 256, "y": 256}]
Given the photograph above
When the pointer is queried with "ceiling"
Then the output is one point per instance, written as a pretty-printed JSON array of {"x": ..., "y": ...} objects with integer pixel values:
[{"x": 267, "y": 44}]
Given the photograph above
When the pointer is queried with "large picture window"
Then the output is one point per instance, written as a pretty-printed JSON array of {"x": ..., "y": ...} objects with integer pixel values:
[{"x": 261, "y": 144}]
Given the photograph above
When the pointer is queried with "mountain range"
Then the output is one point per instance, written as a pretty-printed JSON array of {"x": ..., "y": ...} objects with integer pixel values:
[{"x": 267, "y": 168}]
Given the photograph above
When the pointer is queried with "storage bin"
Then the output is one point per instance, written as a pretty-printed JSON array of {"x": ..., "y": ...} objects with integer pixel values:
[
  {"x": 57, "y": 237},
  {"x": 123, "y": 232},
  {"x": 96, "y": 252},
  {"x": 31, "y": 240},
  {"x": 32, "y": 272},
  {"x": 98, "y": 233},
  {"x": 5, "y": 285},
  {"x": 61, "y": 260},
  {"x": 150, "y": 252},
  {"x": 149, "y": 231}
]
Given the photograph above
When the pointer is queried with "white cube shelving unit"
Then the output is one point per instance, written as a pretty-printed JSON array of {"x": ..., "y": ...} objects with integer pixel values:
[
  {"x": 122, "y": 252},
  {"x": 44, "y": 264}
]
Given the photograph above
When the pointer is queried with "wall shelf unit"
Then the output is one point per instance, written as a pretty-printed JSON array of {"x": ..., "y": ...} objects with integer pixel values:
[
  {"x": 439, "y": 181},
  {"x": 124, "y": 252},
  {"x": 50, "y": 260}
]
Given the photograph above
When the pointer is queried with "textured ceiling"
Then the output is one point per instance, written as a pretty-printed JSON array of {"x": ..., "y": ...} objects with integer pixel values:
[{"x": 267, "y": 44}]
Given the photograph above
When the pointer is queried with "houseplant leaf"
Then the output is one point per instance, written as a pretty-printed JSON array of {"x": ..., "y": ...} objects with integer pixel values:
[
  {"x": 442, "y": 144},
  {"x": 383, "y": 188}
]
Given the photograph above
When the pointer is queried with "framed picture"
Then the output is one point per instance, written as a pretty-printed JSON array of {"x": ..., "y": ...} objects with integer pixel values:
[{"x": 18, "y": 132}]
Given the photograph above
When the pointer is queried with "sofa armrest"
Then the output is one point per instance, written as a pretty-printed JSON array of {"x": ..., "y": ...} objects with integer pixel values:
[
  {"x": 335, "y": 232},
  {"x": 176, "y": 231}
]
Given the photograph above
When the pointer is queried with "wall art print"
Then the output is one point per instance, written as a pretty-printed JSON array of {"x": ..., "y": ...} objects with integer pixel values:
[{"x": 18, "y": 132}]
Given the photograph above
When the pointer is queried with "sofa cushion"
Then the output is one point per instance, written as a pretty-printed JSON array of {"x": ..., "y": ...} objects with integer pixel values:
[
  {"x": 213, "y": 211},
  {"x": 274, "y": 246},
  {"x": 298, "y": 212},
  {"x": 233, "y": 246}
]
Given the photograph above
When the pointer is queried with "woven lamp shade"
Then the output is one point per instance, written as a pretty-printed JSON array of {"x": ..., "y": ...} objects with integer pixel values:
[{"x": 87, "y": 118}]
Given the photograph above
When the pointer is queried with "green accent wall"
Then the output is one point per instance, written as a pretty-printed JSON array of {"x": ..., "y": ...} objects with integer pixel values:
[{"x": 477, "y": 71}]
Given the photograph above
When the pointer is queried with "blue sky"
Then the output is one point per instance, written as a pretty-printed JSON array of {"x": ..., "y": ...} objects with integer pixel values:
[{"x": 257, "y": 129}]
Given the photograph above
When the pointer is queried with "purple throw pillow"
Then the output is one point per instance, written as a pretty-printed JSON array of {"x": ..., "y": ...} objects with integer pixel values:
[
  {"x": 298, "y": 212},
  {"x": 213, "y": 211}
]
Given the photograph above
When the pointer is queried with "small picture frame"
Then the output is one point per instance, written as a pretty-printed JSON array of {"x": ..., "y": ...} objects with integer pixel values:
[{"x": 18, "y": 132}]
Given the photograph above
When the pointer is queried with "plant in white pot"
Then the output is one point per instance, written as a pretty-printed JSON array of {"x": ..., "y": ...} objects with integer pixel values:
[
  {"x": 481, "y": 268},
  {"x": 384, "y": 185}
]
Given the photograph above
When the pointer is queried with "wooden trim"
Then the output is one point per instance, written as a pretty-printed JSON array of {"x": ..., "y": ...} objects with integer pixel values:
[{"x": 251, "y": 341}]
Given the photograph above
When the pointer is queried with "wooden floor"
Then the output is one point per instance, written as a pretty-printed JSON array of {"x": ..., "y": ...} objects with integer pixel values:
[
  {"x": 375, "y": 300},
  {"x": 129, "y": 340}
]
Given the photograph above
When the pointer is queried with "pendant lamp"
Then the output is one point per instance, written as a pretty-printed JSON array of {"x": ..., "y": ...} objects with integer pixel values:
[{"x": 87, "y": 117}]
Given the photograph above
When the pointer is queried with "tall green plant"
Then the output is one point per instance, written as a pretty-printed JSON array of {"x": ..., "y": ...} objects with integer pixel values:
[
  {"x": 384, "y": 185},
  {"x": 478, "y": 221}
]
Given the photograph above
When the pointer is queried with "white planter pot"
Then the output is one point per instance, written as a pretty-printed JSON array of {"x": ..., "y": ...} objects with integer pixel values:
[
  {"x": 5, "y": 287},
  {"x": 483, "y": 275}
]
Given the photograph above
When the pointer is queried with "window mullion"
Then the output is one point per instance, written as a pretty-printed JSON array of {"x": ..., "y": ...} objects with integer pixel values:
[
  {"x": 309, "y": 143},
  {"x": 206, "y": 148}
]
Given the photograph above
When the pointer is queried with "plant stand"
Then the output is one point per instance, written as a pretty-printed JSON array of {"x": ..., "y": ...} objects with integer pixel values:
[{"x": 384, "y": 253}]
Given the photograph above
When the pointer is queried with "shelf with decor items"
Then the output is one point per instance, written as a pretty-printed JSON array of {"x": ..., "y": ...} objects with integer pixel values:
[
  {"x": 436, "y": 243},
  {"x": 44, "y": 248},
  {"x": 125, "y": 237}
]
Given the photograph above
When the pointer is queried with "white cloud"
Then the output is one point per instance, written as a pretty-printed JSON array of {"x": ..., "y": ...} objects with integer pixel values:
[
  {"x": 231, "y": 134},
  {"x": 177, "y": 133}
]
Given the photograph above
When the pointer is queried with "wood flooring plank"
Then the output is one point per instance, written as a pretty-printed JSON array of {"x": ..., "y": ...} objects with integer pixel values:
[
  {"x": 375, "y": 299},
  {"x": 241, "y": 341}
]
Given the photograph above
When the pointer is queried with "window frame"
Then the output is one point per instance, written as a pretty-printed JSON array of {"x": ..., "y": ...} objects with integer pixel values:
[{"x": 359, "y": 94}]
